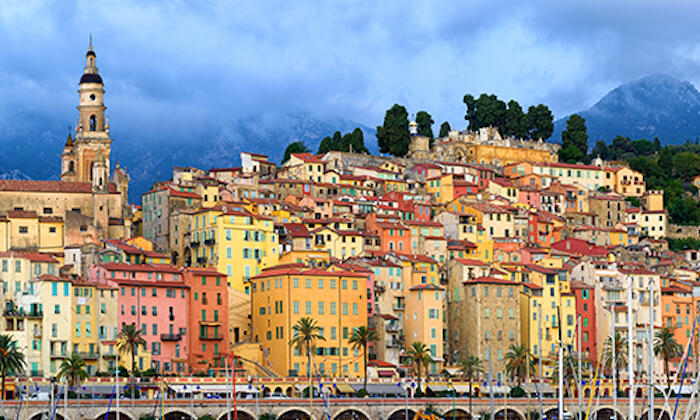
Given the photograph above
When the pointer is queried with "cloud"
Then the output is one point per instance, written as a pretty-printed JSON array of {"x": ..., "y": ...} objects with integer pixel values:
[{"x": 174, "y": 67}]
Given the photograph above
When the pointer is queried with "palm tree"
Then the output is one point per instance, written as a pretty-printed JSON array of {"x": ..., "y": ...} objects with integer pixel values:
[
  {"x": 517, "y": 359},
  {"x": 470, "y": 366},
  {"x": 620, "y": 355},
  {"x": 666, "y": 347},
  {"x": 361, "y": 337},
  {"x": 73, "y": 370},
  {"x": 305, "y": 334},
  {"x": 11, "y": 360},
  {"x": 419, "y": 354},
  {"x": 570, "y": 371},
  {"x": 130, "y": 338}
]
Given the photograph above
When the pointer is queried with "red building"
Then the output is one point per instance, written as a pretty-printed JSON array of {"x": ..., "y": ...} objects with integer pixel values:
[
  {"x": 208, "y": 324},
  {"x": 585, "y": 308}
]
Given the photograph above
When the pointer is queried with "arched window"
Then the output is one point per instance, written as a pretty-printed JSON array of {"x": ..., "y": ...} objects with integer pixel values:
[
  {"x": 93, "y": 122},
  {"x": 71, "y": 166}
]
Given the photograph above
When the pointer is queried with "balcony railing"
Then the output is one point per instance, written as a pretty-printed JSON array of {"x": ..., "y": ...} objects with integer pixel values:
[
  {"x": 57, "y": 354},
  {"x": 194, "y": 244},
  {"x": 86, "y": 355},
  {"x": 210, "y": 241},
  {"x": 171, "y": 337},
  {"x": 399, "y": 307},
  {"x": 209, "y": 337}
]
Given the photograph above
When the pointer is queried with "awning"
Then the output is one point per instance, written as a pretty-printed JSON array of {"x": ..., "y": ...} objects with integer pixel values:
[
  {"x": 211, "y": 388},
  {"x": 345, "y": 388},
  {"x": 380, "y": 389},
  {"x": 439, "y": 388},
  {"x": 386, "y": 373},
  {"x": 687, "y": 389},
  {"x": 462, "y": 389},
  {"x": 452, "y": 371},
  {"x": 533, "y": 389}
]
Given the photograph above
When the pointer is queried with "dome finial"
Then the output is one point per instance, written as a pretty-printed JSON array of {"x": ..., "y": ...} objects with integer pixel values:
[{"x": 90, "y": 41}]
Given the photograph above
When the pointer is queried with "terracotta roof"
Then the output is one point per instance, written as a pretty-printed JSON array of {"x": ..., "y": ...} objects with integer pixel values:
[
  {"x": 50, "y": 186},
  {"x": 490, "y": 280},
  {"x": 203, "y": 270},
  {"x": 302, "y": 271},
  {"x": 297, "y": 230},
  {"x": 307, "y": 157},
  {"x": 184, "y": 194},
  {"x": 159, "y": 268},
  {"x": 22, "y": 214},
  {"x": 31, "y": 256},
  {"x": 465, "y": 261}
]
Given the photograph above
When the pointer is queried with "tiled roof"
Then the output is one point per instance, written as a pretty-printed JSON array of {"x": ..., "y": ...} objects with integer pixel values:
[
  {"x": 297, "y": 230},
  {"x": 465, "y": 261},
  {"x": 142, "y": 268},
  {"x": 50, "y": 186}
]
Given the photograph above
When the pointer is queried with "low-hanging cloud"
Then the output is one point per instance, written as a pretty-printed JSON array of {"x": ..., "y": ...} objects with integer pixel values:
[{"x": 175, "y": 66}]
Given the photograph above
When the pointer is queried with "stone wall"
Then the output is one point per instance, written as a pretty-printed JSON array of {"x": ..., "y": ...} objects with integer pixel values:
[{"x": 682, "y": 231}]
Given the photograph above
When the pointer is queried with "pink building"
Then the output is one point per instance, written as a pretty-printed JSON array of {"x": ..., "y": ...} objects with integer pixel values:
[{"x": 153, "y": 297}]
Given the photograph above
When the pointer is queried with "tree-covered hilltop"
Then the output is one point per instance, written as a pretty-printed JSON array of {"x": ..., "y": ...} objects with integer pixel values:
[{"x": 669, "y": 168}]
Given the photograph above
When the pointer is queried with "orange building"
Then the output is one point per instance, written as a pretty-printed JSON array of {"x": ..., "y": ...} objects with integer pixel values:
[
  {"x": 678, "y": 313},
  {"x": 208, "y": 320},
  {"x": 394, "y": 237}
]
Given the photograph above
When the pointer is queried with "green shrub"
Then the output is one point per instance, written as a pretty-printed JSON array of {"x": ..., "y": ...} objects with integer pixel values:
[{"x": 517, "y": 392}]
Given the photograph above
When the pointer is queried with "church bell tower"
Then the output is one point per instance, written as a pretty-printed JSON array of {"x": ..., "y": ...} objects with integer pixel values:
[{"x": 91, "y": 140}]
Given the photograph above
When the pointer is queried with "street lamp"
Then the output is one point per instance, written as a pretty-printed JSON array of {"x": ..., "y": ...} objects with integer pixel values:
[{"x": 406, "y": 387}]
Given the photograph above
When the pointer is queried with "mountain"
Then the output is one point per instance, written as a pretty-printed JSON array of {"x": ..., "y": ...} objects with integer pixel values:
[
  {"x": 654, "y": 106},
  {"x": 34, "y": 150}
]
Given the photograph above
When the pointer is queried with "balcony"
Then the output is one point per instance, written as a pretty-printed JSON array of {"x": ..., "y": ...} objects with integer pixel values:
[
  {"x": 59, "y": 354},
  {"x": 171, "y": 337},
  {"x": 209, "y": 337},
  {"x": 109, "y": 355},
  {"x": 194, "y": 244},
  {"x": 36, "y": 373},
  {"x": 210, "y": 241},
  {"x": 201, "y": 260},
  {"x": 399, "y": 307},
  {"x": 392, "y": 328},
  {"x": 86, "y": 355}
]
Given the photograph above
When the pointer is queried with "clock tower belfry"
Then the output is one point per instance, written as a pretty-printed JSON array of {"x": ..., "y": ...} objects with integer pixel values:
[{"x": 91, "y": 142}]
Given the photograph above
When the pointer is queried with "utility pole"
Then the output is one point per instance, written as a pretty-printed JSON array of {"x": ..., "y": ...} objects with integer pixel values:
[
  {"x": 539, "y": 358},
  {"x": 580, "y": 374},
  {"x": 630, "y": 349},
  {"x": 493, "y": 412},
  {"x": 651, "y": 351}
]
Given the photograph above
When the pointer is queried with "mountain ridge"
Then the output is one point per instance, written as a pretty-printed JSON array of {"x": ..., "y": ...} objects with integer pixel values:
[{"x": 657, "y": 105}]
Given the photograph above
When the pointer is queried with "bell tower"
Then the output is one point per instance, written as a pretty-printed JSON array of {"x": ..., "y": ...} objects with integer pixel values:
[{"x": 92, "y": 128}]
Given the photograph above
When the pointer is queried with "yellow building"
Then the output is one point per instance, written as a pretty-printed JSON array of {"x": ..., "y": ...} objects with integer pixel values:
[
  {"x": 94, "y": 315},
  {"x": 423, "y": 321},
  {"x": 233, "y": 241},
  {"x": 625, "y": 181},
  {"x": 339, "y": 243},
  {"x": 589, "y": 176},
  {"x": 26, "y": 230},
  {"x": 336, "y": 300},
  {"x": 548, "y": 289}
]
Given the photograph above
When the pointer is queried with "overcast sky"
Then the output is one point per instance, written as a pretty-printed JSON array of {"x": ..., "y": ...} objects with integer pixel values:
[{"x": 186, "y": 63}]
